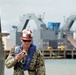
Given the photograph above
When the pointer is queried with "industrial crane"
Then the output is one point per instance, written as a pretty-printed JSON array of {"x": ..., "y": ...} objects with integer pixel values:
[
  {"x": 65, "y": 31},
  {"x": 42, "y": 35}
]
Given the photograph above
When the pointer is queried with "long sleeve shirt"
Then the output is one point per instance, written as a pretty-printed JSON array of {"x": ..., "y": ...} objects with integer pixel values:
[{"x": 37, "y": 65}]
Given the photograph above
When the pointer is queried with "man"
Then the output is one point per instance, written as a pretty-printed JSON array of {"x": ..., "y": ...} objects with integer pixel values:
[{"x": 26, "y": 57}]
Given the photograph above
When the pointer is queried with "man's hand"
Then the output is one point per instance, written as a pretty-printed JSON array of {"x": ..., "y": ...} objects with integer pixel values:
[{"x": 20, "y": 56}]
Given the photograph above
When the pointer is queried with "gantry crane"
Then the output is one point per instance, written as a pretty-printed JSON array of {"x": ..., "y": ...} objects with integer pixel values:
[
  {"x": 26, "y": 18},
  {"x": 66, "y": 29}
]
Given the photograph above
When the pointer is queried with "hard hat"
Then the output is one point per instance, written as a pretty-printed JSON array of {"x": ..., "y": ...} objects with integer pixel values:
[{"x": 26, "y": 34}]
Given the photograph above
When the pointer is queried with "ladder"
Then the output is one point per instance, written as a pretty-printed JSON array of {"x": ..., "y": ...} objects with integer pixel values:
[{"x": 71, "y": 40}]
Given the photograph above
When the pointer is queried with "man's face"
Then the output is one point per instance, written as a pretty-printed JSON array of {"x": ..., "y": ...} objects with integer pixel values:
[{"x": 26, "y": 43}]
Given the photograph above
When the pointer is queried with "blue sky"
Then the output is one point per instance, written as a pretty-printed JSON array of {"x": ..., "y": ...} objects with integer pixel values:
[{"x": 55, "y": 11}]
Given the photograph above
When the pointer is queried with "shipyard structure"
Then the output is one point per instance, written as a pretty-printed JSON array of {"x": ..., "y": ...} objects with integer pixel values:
[{"x": 50, "y": 37}]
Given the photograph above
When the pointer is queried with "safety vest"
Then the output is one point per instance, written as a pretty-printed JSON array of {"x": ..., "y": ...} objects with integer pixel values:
[{"x": 28, "y": 61}]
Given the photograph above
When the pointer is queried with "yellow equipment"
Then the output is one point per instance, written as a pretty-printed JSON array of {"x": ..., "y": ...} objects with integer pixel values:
[
  {"x": 49, "y": 48},
  {"x": 62, "y": 47}
]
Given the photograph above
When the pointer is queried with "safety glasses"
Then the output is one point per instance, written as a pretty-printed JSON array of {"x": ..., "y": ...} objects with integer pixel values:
[{"x": 26, "y": 40}]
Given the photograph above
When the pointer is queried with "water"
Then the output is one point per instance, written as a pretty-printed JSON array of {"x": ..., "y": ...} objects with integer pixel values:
[{"x": 55, "y": 67}]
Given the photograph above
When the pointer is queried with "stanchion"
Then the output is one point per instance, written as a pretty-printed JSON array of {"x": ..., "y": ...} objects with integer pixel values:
[{"x": 1, "y": 52}]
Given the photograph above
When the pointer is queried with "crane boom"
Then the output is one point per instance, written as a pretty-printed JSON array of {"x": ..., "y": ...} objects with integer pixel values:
[
  {"x": 69, "y": 22},
  {"x": 26, "y": 19}
]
